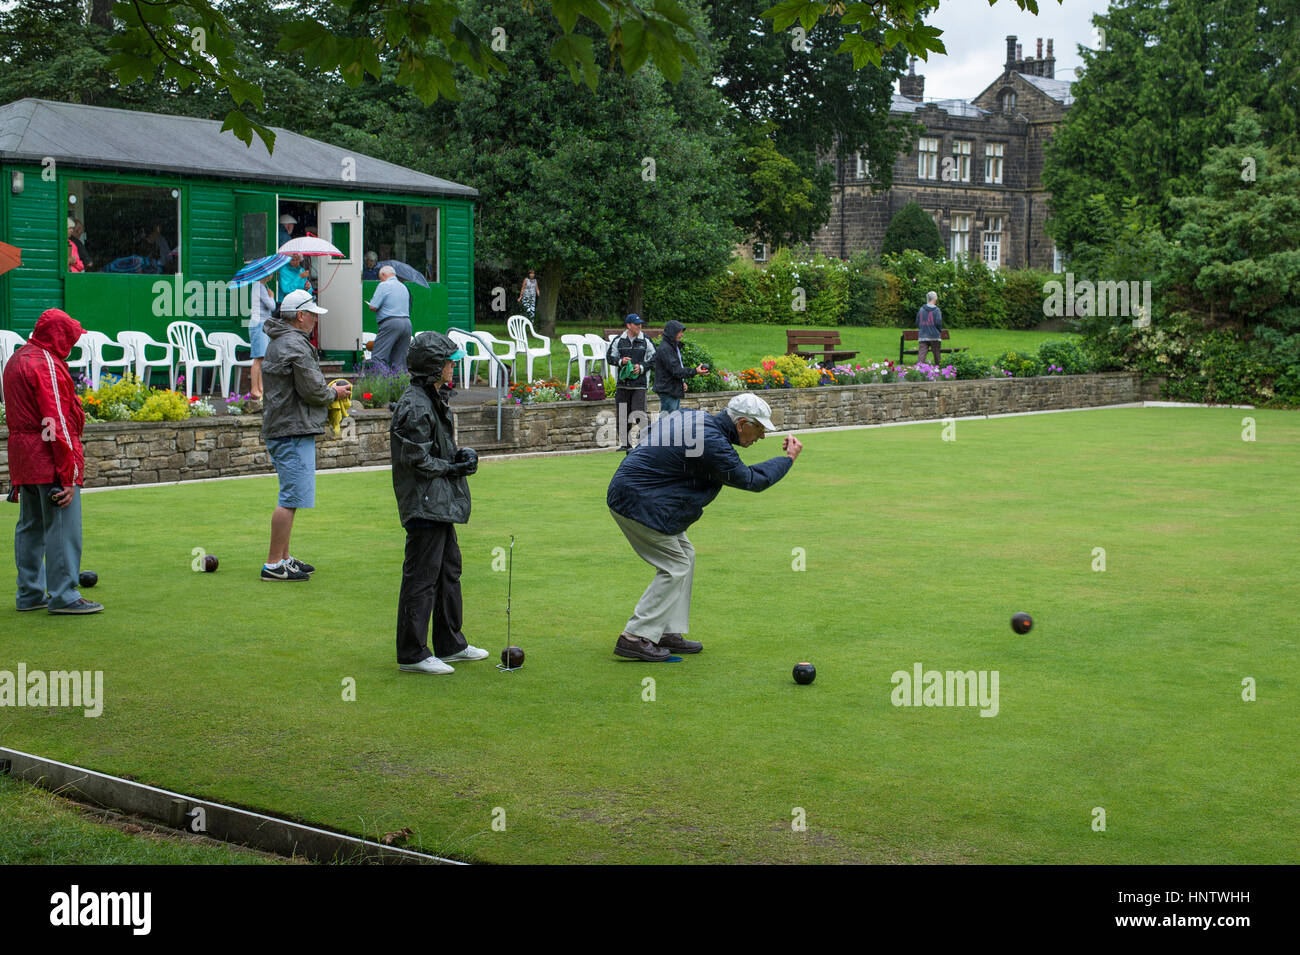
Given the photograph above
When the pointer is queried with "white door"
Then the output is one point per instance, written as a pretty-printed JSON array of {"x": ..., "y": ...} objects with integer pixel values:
[{"x": 339, "y": 280}]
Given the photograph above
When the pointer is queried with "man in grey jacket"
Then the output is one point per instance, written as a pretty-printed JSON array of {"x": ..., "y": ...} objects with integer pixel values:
[
  {"x": 429, "y": 474},
  {"x": 295, "y": 406},
  {"x": 929, "y": 328}
]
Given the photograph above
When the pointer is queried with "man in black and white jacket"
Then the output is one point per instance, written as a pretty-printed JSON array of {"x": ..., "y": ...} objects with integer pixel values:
[{"x": 631, "y": 354}]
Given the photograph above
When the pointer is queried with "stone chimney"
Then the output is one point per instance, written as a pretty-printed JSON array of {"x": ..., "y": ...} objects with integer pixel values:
[
  {"x": 1038, "y": 65},
  {"x": 911, "y": 85}
]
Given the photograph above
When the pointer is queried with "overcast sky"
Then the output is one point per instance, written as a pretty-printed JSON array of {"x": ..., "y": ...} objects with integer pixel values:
[{"x": 975, "y": 35}]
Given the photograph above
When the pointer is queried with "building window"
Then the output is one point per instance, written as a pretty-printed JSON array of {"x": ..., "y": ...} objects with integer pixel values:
[
  {"x": 993, "y": 242},
  {"x": 993, "y": 162},
  {"x": 863, "y": 167},
  {"x": 403, "y": 233},
  {"x": 125, "y": 228},
  {"x": 959, "y": 236},
  {"x": 1058, "y": 260},
  {"x": 961, "y": 160},
  {"x": 760, "y": 251},
  {"x": 927, "y": 158},
  {"x": 1007, "y": 100}
]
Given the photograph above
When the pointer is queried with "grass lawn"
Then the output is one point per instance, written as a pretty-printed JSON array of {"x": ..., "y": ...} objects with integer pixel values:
[
  {"x": 1127, "y": 694},
  {"x": 38, "y": 828},
  {"x": 735, "y": 347}
]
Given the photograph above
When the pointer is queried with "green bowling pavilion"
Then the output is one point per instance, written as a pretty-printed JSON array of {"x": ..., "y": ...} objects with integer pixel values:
[{"x": 173, "y": 200}]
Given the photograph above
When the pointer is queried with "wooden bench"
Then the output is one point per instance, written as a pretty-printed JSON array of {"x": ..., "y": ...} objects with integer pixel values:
[
  {"x": 814, "y": 343},
  {"x": 911, "y": 336}
]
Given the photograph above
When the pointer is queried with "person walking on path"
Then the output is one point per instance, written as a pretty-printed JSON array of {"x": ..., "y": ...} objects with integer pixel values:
[{"x": 528, "y": 295}]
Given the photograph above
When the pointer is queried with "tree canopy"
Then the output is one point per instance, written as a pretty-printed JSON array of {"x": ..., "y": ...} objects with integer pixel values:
[{"x": 196, "y": 44}]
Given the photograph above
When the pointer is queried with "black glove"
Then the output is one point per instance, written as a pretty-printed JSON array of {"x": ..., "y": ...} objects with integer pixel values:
[{"x": 467, "y": 460}]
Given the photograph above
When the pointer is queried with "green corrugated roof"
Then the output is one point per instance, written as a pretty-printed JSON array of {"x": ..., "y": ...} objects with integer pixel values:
[{"x": 101, "y": 138}]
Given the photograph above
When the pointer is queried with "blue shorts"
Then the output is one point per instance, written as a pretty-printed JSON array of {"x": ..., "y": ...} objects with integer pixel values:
[
  {"x": 295, "y": 463},
  {"x": 257, "y": 337}
]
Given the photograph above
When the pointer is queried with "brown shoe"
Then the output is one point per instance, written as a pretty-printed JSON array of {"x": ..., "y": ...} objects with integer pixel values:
[
  {"x": 676, "y": 643},
  {"x": 639, "y": 648}
]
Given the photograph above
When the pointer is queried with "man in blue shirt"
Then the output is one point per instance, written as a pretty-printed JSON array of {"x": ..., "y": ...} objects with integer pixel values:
[{"x": 392, "y": 307}]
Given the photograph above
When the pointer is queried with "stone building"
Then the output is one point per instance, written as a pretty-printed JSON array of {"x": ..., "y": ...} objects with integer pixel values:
[{"x": 976, "y": 168}]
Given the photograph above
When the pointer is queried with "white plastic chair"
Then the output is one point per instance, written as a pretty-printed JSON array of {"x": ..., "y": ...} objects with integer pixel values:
[
  {"x": 366, "y": 339},
  {"x": 507, "y": 357},
  {"x": 82, "y": 358},
  {"x": 520, "y": 328},
  {"x": 228, "y": 343},
  {"x": 190, "y": 343},
  {"x": 475, "y": 352},
  {"x": 140, "y": 343},
  {"x": 578, "y": 351},
  {"x": 96, "y": 342},
  {"x": 599, "y": 349},
  {"x": 10, "y": 342}
]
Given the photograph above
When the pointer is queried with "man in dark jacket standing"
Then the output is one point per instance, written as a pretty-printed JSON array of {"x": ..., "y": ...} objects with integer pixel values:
[
  {"x": 47, "y": 467},
  {"x": 670, "y": 374},
  {"x": 630, "y": 354},
  {"x": 929, "y": 328},
  {"x": 295, "y": 406},
  {"x": 432, "y": 497},
  {"x": 661, "y": 489}
]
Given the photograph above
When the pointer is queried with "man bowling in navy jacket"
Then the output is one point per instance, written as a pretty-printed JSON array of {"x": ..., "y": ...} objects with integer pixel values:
[{"x": 661, "y": 489}]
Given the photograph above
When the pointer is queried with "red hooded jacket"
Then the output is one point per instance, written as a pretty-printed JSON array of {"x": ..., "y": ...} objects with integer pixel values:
[{"x": 41, "y": 406}]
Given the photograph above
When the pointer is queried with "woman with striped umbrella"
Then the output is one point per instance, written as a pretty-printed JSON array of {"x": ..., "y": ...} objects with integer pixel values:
[{"x": 258, "y": 273}]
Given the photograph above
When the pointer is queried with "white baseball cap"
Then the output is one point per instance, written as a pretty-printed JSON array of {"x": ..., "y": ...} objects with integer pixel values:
[
  {"x": 300, "y": 300},
  {"x": 287, "y": 219},
  {"x": 753, "y": 407}
]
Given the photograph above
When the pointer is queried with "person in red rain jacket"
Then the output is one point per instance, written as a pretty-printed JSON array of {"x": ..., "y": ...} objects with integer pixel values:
[{"x": 47, "y": 467}]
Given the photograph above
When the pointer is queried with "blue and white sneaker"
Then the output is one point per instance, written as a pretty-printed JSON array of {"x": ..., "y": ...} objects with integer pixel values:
[{"x": 299, "y": 566}]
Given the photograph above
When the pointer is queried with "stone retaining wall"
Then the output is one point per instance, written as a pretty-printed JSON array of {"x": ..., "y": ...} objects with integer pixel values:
[{"x": 148, "y": 453}]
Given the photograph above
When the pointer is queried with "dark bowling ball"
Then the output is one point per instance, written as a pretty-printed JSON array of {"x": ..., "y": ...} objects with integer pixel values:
[
  {"x": 88, "y": 578},
  {"x": 1022, "y": 623},
  {"x": 209, "y": 564},
  {"x": 512, "y": 657},
  {"x": 804, "y": 673}
]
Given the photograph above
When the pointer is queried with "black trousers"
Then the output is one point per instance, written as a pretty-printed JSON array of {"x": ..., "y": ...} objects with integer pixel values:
[
  {"x": 629, "y": 401},
  {"x": 430, "y": 589}
]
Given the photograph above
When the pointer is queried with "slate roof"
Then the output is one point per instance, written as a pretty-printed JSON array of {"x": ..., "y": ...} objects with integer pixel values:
[{"x": 102, "y": 138}]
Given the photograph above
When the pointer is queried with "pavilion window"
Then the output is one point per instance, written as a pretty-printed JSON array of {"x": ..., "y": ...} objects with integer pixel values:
[{"x": 128, "y": 227}]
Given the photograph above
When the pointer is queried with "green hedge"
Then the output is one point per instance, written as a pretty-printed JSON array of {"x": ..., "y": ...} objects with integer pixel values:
[{"x": 861, "y": 291}]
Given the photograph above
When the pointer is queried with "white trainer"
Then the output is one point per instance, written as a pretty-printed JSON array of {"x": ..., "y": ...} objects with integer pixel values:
[
  {"x": 431, "y": 665},
  {"x": 469, "y": 653}
]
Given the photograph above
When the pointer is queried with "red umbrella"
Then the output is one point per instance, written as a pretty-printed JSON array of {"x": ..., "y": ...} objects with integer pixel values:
[{"x": 10, "y": 257}]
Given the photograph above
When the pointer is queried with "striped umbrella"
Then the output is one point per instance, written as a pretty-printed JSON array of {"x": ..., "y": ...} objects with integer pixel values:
[{"x": 260, "y": 269}]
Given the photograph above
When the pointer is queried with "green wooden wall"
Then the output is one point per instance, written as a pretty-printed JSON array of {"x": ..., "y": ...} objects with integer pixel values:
[{"x": 35, "y": 221}]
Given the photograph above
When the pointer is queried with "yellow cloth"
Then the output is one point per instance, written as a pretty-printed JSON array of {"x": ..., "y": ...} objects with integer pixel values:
[{"x": 339, "y": 408}]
